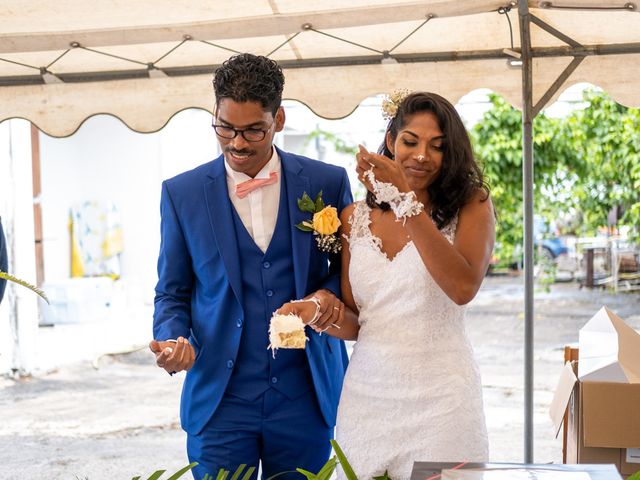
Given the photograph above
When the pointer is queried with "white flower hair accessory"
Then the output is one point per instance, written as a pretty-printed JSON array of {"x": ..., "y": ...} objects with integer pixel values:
[{"x": 392, "y": 102}]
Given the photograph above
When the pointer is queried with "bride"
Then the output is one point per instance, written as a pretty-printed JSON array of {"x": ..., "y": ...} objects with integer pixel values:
[{"x": 413, "y": 255}]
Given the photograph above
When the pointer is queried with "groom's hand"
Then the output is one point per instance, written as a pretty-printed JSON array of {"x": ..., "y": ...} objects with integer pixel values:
[
  {"x": 331, "y": 311},
  {"x": 173, "y": 356}
]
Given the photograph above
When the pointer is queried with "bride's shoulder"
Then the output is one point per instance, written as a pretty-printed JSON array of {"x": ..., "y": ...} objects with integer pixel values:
[
  {"x": 348, "y": 210},
  {"x": 346, "y": 214},
  {"x": 350, "y": 213},
  {"x": 478, "y": 208},
  {"x": 356, "y": 208}
]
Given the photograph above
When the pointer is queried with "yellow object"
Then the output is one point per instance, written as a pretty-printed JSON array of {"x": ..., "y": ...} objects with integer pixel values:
[
  {"x": 77, "y": 266},
  {"x": 96, "y": 239},
  {"x": 112, "y": 244},
  {"x": 326, "y": 221}
]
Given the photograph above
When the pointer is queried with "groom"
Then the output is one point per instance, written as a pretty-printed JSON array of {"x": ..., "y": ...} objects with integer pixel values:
[{"x": 230, "y": 255}]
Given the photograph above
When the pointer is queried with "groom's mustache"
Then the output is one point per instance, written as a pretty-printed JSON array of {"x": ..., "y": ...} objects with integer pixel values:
[{"x": 233, "y": 151}]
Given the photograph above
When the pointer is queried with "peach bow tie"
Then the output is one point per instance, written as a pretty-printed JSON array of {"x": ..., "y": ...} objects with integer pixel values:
[{"x": 245, "y": 188}]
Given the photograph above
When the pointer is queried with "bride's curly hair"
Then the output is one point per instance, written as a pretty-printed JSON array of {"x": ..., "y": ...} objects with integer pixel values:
[{"x": 460, "y": 176}]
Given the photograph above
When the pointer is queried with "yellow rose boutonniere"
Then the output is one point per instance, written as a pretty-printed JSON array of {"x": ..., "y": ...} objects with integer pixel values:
[
  {"x": 326, "y": 221},
  {"x": 324, "y": 224}
]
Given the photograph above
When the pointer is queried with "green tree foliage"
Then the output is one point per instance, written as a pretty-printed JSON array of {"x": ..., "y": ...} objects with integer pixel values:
[
  {"x": 338, "y": 143},
  {"x": 605, "y": 139},
  {"x": 497, "y": 140},
  {"x": 584, "y": 164}
]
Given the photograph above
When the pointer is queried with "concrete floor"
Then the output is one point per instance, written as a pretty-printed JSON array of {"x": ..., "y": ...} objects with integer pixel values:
[{"x": 121, "y": 419}]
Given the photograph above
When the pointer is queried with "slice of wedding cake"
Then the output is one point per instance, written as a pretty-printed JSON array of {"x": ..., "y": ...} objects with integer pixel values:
[{"x": 286, "y": 331}]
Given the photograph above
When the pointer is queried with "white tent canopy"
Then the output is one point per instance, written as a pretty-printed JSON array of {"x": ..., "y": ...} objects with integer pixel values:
[{"x": 61, "y": 62}]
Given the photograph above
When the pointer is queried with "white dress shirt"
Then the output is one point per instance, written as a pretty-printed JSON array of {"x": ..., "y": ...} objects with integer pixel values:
[{"x": 259, "y": 209}]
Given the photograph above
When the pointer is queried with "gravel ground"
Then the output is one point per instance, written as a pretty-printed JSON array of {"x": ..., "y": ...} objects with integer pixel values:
[{"x": 121, "y": 419}]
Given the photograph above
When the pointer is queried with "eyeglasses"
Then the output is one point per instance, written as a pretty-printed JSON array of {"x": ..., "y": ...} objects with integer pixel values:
[{"x": 249, "y": 134}]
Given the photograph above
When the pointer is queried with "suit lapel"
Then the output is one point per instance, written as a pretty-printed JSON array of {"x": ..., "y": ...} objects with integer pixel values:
[
  {"x": 297, "y": 183},
  {"x": 221, "y": 218}
]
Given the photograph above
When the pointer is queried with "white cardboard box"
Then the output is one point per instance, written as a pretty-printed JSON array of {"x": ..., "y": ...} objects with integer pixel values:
[{"x": 609, "y": 350}]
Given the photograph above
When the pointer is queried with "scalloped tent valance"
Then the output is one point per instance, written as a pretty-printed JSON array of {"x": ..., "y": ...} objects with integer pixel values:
[{"x": 61, "y": 63}]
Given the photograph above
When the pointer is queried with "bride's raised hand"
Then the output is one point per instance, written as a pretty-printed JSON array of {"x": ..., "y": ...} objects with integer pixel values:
[{"x": 384, "y": 170}]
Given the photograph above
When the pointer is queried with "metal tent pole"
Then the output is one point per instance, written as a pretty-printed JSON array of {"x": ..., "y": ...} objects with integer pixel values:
[{"x": 527, "y": 190}]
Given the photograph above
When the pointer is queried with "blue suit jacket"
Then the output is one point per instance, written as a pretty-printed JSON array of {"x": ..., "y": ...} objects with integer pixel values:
[{"x": 199, "y": 291}]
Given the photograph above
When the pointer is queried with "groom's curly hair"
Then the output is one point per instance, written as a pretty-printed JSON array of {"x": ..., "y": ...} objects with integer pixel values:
[
  {"x": 460, "y": 176},
  {"x": 250, "y": 78}
]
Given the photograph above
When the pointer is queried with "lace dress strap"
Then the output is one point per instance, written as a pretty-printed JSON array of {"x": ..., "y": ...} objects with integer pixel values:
[{"x": 359, "y": 221}]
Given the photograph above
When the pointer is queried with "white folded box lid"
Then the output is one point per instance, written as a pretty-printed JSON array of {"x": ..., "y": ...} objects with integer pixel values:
[
  {"x": 561, "y": 396},
  {"x": 609, "y": 350}
]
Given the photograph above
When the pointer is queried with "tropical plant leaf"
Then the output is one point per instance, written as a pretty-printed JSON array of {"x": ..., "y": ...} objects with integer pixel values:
[
  {"x": 238, "y": 471},
  {"x": 156, "y": 475},
  {"x": 635, "y": 476},
  {"x": 248, "y": 473},
  {"x": 279, "y": 474},
  {"x": 33, "y": 288},
  {"x": 306, "y": 473},
  {"x": 384, "y": 476},
  {"x": 304, "y": 226},
  {"x": 306, "y": 204},
  {"x": 327, "y": 469},
  {"x": 344, "y": 463},
  {"x": 319, "y": 204},
  {"x": 182, "y": 471},
  {"x": 222, "y": 474}
]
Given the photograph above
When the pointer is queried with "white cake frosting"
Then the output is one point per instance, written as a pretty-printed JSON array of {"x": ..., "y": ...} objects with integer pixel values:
[{"x": 286, "y": 331}]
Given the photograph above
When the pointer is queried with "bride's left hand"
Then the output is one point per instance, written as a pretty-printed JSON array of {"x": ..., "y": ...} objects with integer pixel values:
[
  {"x": 330, "y": 313},
  {"x": 384, "y": 170},
  {"x": 305, "y": 310}
]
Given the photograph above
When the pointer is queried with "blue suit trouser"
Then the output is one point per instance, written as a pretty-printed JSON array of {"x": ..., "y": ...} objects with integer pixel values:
[{"x": 282, "y": 434}]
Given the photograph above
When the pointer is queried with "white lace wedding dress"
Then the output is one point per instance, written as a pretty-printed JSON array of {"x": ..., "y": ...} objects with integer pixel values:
[{"x": 412, "y": 391}]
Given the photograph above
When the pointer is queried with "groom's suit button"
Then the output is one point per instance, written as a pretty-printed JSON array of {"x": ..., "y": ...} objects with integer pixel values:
[
  {"x": 239, "y": 322},
  {"x": 230, "y": 364},
  {"x": 274, "y": 379},
  {"x": 269, "y": 293},
  {"x": 266, "y": 264}
]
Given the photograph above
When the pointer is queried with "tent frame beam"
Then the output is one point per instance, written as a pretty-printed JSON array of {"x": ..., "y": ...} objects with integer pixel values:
[
  {"x": 527, "y": 194},
  {"x": 553, "y": 31},
  {"x": 469, "y": 55},
  {"x": 566, "y": 73},
  {"x": 529, "y": 112}
]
